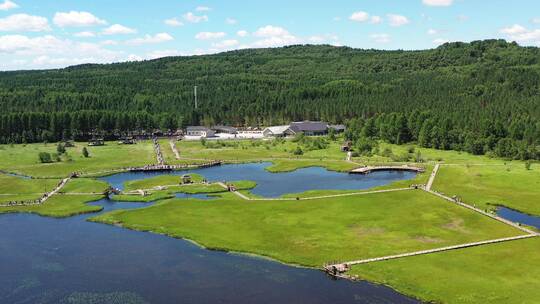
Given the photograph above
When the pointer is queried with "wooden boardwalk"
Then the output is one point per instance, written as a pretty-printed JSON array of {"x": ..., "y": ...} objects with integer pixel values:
[
  {"x": 429, "y": 251},
  {"x": 432, "y": 177},
  {"x": 482, "y": 212},
  {"x": 174, "y": 149},
  {"x": 157, "y": 149},
  {"x": 369, "y": 169}
]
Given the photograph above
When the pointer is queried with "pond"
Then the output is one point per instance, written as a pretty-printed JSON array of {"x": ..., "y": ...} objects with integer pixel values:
[
  {"x": 518, "y": 217},
  {"x": 277, "y": 184},
  {"x": 46, "y": 260}
]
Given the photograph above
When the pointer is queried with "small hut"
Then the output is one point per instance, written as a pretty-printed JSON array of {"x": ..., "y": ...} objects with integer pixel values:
[
  {"x": 186, "y": 179},
  {"x": 346, "y": 146}
]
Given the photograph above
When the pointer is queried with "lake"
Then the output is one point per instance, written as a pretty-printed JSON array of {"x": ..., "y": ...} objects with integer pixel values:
[{"x": 276, "y": 184}]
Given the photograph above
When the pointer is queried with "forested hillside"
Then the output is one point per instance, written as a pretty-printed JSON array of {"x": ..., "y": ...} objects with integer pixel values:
[{"x": 480, "y": 97}]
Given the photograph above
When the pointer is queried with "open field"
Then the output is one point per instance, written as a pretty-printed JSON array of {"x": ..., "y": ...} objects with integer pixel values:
[
  {"x": 486, "y": 186},
  {"x": 314, "y": 232},
  {"x": 85, "y": 185},
  {"x": 499, "y": 273},
  {"x": 13, "y": 188},
  {"x": 24, "y": 158}
]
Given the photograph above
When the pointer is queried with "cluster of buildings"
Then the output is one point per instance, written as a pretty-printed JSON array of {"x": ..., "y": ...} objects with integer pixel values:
[{"x": 308, "y": 128}]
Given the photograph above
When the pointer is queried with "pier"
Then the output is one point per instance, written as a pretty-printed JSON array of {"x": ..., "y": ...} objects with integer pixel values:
[{"x": 369, "y": 169}]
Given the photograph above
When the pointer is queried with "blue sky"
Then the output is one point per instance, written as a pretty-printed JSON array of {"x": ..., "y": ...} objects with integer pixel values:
[{"x": 37, "y": 34}]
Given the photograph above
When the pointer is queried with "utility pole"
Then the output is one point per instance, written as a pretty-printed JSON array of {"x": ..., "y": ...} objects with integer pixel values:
[{"x": 195, "y": 95}]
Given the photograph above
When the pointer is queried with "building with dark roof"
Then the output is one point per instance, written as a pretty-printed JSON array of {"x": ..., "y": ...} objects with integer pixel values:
[
  {"x": 309, "y": 128},
  {"x": 225, "y": 129}
]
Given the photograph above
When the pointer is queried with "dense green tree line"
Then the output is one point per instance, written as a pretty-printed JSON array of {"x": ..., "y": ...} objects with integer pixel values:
[
  {"x": 466, "y": 96},
  {"x": 81, "y": 125},
  {"x": 517, "y": 139}
]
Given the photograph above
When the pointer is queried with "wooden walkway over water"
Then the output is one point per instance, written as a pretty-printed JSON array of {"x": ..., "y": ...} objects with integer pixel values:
[
  {"x": 369, "y": 169},
  {"x": 157, "y": 149}
]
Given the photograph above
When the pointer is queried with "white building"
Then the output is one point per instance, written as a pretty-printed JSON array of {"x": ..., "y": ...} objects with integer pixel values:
[
  {"x": 278, "y": 131},
  {"x": 199, "y": 131}
]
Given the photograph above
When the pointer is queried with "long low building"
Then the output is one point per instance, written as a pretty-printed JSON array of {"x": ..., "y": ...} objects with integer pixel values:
[
  {"x": 199, "y": 131},
  {"x": 309, "y": 128}
]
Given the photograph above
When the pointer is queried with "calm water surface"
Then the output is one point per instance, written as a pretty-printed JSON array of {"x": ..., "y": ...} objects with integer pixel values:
[
  {"x": 277, "y": 184},
  {"x": 518, "y": 217},
  {"x": 45, "y": 260}
]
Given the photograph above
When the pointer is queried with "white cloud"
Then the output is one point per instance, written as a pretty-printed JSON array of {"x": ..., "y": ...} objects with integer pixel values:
[
  {"x": 359, "y": 16},
  {"x": 202, "y": 8},
  {"x": 75, "y": 18},
  {"x": 381, "y": 38},
  {"x": 522, "y": 34},
  {"x": 163, "y": 53},
  {"x": 84, "y": 34},
  {"x": 438, "y": 2},
  {"x": 242, "y": 33},
  {"x": 173, "y": 22},
  {"x": 274, "y": 36},
  {"x": 51, "y": 51},
  {"x": 209, "y": 35},
  {"x": 231, "y": 21},
  {"x": 271, "y": 31},
  {"x": 7, "y": 5},
  {"x": 190, "y": 17},
  {"x": 514, "y": 29},
  {"x": 24, "y": 44},
  {"x": 118, "y": 29},
  {"x": 397, "y": 20},
  {"x": 362, "y": 16},
  {"x": 432, "y": 32},
  {"x": 226, "y": 44},
  {"x": 24, "y": 22},
  {"x": 133, "y": 57},
  {"x": 375, "y": 19},
  {"x": 440, "y": 41},
  {"x": 149, "y": 39},
  {"x": 536, "y": 20}
]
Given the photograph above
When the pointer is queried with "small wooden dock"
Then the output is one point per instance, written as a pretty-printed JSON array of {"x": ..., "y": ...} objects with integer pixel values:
[{"x": 369, "y": 169}]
